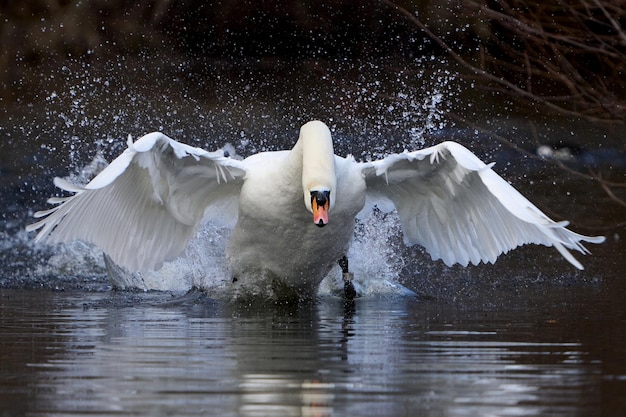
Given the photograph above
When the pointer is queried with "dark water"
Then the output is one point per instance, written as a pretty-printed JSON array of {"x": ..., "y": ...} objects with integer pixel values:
[{"x": 110, "y": 353}]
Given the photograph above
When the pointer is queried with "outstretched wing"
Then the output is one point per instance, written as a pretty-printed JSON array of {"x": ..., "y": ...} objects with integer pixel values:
[
  {"x": 144, "y": 206},
  {"x": 459, "y": 209}
]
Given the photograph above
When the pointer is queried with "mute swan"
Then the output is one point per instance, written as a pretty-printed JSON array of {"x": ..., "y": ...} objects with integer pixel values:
[{"x": 295, "y": 210}]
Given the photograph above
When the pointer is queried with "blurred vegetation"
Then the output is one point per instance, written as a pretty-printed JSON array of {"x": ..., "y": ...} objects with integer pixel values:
[
  {"x": 40, "y": 31},
  {"x": 569, "y": 56}
]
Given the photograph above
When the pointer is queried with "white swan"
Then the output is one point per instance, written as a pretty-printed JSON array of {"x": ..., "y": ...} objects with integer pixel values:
[{"x": 143, "y": 207}]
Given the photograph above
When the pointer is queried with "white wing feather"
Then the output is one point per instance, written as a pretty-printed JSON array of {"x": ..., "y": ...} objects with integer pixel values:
[
  {"x": 459, "y": 209},
  {"x": 144, "y": 206}
]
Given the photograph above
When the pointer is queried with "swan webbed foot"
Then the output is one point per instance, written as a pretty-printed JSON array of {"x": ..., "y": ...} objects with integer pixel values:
[
  {"x": 348, "y": 287},
  {"x": 343, "y": 264}
]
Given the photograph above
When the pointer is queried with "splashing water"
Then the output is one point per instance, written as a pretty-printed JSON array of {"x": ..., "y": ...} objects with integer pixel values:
[
  {"x": 373, "y": 259},
  {"x": 203, "y": 264}
]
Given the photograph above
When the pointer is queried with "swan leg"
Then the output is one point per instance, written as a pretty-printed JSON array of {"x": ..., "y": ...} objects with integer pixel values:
[{"x": 348, "y": 286}]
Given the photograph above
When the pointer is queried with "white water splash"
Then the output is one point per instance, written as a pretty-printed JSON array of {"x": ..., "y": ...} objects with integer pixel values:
[
  {"x": 203, "y": 264},
  {"x": 373, "y": 261}
]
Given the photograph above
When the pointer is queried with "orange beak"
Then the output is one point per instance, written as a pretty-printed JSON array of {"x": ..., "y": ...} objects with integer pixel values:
[{"x": 320, "y": 203}]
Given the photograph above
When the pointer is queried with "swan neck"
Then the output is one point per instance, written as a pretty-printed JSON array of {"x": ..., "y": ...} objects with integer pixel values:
[{"x": 318, "y": 160}]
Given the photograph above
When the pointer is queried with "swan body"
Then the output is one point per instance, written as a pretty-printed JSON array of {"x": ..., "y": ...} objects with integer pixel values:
[{"x": 294, "y": 211}]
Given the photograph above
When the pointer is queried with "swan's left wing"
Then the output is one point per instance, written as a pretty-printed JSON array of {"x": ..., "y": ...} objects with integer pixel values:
[
  {"x": 459, "y": 209},
  {"x": 143, "y": 207}
]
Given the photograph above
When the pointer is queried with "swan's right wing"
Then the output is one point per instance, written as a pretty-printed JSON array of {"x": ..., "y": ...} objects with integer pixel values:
[
  {"x": 143, "y": 207},
  {"x": 459, "y": 209}
]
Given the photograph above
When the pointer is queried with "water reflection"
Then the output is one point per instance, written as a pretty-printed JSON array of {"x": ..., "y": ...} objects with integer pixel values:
[{"x": 98, "y": 355}]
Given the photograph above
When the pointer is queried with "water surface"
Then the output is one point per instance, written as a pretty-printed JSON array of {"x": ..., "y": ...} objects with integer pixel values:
[{"x": 111, "y": 353}]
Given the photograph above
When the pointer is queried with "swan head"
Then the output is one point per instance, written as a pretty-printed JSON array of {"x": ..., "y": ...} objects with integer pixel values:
[{"x": 318, "y": 170}]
